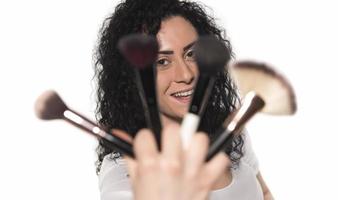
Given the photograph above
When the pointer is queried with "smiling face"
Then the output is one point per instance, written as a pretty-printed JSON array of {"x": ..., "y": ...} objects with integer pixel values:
[{"x": 177, "y": 71}]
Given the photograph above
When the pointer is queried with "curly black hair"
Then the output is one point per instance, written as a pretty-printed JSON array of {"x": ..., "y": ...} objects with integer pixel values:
[{"x": 119, "y": 105}]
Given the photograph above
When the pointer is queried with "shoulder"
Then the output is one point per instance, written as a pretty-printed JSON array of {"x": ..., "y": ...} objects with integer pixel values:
[
  {"x": 243, "y": 179},
  {"x": 113, "y": 177}
]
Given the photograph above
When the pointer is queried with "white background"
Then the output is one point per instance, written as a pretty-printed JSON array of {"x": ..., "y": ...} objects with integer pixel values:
[{"x": 49, "y": 44}]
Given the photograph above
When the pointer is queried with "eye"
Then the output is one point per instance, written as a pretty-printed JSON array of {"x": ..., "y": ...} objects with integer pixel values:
[
  {"x": 163, "y": 62},
  {"x": 190, "y": 55}
]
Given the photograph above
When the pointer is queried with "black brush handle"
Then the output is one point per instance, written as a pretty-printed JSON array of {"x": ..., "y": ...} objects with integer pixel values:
[
  {"x": 114, "y": 141},
  {"x": 201, "y": 94},
  {"x": 119, "y": 144},
  {"x": 252, "y": 103},
  {"x": 147, "y": 76},
  {"x": 222, "y": 143}
]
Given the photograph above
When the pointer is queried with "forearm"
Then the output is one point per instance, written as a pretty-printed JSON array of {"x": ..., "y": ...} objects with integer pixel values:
[
  {"x": 266, "y": 191},
  {"x": 268, "y": 195}
]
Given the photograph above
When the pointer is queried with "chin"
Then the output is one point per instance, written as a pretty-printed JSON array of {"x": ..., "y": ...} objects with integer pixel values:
[
  {"x": 181, "y": 114},
  {"x": 176, "y": 114}
]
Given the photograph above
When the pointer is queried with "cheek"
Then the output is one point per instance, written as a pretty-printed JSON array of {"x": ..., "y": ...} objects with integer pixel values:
[
  {"x": 162, "y": 87},
  {"x": 163, "y": 83},
  {"x": 194, "y": 68}
]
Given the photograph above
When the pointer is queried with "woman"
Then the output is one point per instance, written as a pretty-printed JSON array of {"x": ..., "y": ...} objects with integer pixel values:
[{"x": 176, "y": 25}]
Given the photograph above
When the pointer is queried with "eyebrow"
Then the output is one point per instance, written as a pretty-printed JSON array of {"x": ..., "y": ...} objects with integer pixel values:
[
  {"x": 189, "y": 46},
  {"x": 172, "y": 52}
]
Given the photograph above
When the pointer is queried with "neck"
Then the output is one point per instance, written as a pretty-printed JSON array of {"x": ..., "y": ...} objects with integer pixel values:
[
  {"x": 166, "y": 120},
  {"x": 224, "y": 180}
]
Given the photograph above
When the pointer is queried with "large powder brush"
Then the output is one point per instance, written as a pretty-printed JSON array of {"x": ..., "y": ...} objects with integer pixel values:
[
  {"x": 140, "y": 51},
  {"x": 265, "y": 90},
  {"x": 49, "y": 106},
  {"x": 273, "y": 87}
]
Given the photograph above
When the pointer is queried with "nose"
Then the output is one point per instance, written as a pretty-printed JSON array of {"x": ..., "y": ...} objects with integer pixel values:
[{"x": 184, "y": 73}]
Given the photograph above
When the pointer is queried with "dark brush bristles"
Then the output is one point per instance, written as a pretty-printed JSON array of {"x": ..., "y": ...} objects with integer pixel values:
[
  {"x": 49, "y": 106},
  {"x": 138, "y": 49},
  {"x": 211, "y": 55}
]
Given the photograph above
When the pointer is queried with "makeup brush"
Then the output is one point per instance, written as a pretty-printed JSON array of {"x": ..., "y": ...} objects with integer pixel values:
[
  {"x": 211, "y": 56},
  {"x": 50, "y": 106},
  {"x": 252, "y": 103},
  {"x": 266, "y": 82},
  {"x": 141, "y": 52}
]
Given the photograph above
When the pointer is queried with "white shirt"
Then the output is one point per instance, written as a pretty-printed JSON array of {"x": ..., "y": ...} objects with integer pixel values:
[{"x": 114, "y": 182}]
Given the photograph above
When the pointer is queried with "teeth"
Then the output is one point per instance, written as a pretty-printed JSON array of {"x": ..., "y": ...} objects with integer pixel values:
[{"x": 183, "y": 94}]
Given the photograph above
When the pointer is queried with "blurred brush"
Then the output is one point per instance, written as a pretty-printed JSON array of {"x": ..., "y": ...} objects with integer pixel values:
[
  {"x": 252, "y": 103},
  {"x": 50, "y": 106},
  {"x": 211, "y": 56},
  {"x": 141, "y": 51},
  {"x": 276, "y": 91}
]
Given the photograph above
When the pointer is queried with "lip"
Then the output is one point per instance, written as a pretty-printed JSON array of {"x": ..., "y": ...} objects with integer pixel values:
[
  {"x": 182, "y": 100},
  {"x": 185, "y": 90}
]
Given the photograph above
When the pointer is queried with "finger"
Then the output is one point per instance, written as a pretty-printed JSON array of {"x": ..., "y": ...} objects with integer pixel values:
[
  {"x": 195, "y": 155},
  {"x": 171, "y": 143},
  {"x": 145, "y": 146},
  {"x": 216, "y": 167},
  {"x": 172, "y": 154}
]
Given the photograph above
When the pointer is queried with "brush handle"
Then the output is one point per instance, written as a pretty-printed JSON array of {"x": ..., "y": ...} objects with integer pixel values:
[
  {"x": 90, "y": 127},
  {"x": 198, "y": 104},
  {"x": 147, "y": 90},
  {"x": 251, "y": 105},
  {"x": 222, "y": 143},
  {"x": 188, "y": 128},
  {"x": 148, "y": 77},
  {"x": 121, "y": 145},
  {"x": 141, "y": 50},
  {"x": 201, "y": 94}
]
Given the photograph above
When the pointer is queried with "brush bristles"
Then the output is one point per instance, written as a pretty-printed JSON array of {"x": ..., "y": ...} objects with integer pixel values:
[
  {"x": 268, "y": 83},
  {"x": 139, "y": 50},
  {"x": 211, "y": 55},
  {"x": 49, "y": 106}
]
